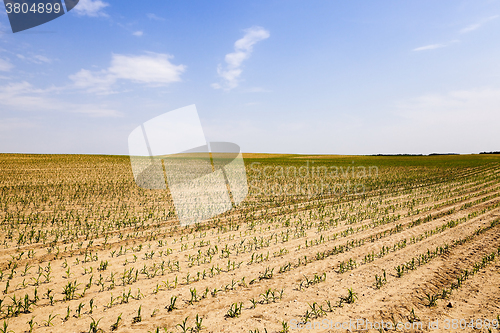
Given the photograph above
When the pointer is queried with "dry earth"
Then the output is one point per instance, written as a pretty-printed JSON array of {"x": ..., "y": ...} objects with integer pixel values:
[{"x": 80, "y": 221}]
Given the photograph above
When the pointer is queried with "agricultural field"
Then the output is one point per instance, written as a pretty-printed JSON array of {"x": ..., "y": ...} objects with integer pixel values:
[{"x": 398, "y": 239}]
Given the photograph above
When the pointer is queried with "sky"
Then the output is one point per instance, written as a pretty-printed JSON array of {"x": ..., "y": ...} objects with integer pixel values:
[{"x": 275, "y": 76}]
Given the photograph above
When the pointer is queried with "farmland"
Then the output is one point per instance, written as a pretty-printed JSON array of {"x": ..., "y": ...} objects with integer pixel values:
[{"x": 382, "y": 238}]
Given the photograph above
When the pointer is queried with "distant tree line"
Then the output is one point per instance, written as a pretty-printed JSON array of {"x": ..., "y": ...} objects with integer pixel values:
[
  {"x": 438, "y": 154},
  {"x": 398, "y": 155},
  {"x": 434, "y": 154}
]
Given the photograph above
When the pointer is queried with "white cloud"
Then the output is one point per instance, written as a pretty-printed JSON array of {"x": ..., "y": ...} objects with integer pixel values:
[
  {"x": 5, "y": 65},
  {"x": 41, "y": 59},
  {"x": 91, "y": 8},
  {"x": 138, "y": 33},
  {"x": 242, "y": 50},
  {"x": 435, "y": 46},
  {"x": 429, "y": 47},
  {"x": 99, "y": 82},
  {"x": 152, "y": 68},
  {"x": 469, "y": 28},
  {"x": 23, "y": 96},
  {"x": 462, "y": 121},
  {"x": 37, "y": 59},
  {"x": 152, "y": 16},
  {"x": 477, "y": 25},
  {"x": 462, "y": 106}
]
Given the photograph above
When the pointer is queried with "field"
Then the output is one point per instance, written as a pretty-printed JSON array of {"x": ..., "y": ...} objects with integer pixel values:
[{"x": 398, "y": 239}]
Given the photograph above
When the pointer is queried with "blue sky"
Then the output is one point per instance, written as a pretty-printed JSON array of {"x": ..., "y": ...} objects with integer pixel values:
[{"x": 338, "y": 77}]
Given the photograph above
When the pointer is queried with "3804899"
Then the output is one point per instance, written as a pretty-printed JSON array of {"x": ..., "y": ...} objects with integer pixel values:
[
  {"x": 35, "y": 8},
  {"x": 470, "y": 324}
]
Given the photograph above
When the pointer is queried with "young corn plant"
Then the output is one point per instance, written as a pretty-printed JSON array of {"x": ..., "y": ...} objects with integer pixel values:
[
  {"x": 194, "y": 296},
  {"x": 235, "y": 310},
  {"x": 31, "y": 324},
  {"x": 330, "y": 306},
  {"x": 115, "y": 325},
  {"x": 171, "y": 306},
  {"x": 380, "y": 281},
  {"x": 285, "y": 328},
  {"x": 183, "y": 326},
  {"x": 198, "y": 324},
  {"x": 267, "y": 274},
  {"x": 412, "y": 317},
  {"x": 138, "y": 318},
  {"x": 69, "y": 291},
  {"x": 94, "y": 326},
  {"x": 68, "y": 313},
  {"x": 79, "y": 309},
  {"x": 306, "y": 283},
  {"x": 5, "y": 328},
  {"x": 431, "y": 300},
  {"x": 258, "y": 331},
  {"x": 49, "y": 322},
  {"x": 254, "y": 303},
  {"x": 399, "y": 271},
  {"x": 350, "y": 298},
  {"x": 112, "y": 301},
  {"x": 91, "y": 306},
  {"x": 315, "y": 311}
]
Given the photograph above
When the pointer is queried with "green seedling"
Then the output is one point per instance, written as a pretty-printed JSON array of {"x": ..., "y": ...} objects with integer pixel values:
[
  {"x": 114, "y": 327},
  {"x": 138, "y": 318},
  {"x": 235, "y": 310},
  {"x": 171, "y": 306}
]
